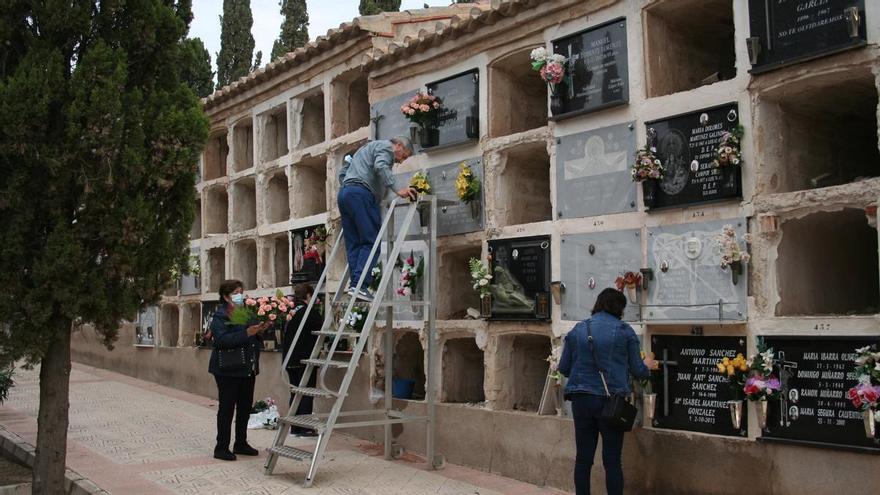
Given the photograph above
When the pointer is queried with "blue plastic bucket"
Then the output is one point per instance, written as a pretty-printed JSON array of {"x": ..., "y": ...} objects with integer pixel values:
[{"x": 402, "y": 388}]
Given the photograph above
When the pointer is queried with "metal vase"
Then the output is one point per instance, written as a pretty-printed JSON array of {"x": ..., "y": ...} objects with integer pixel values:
[
  {"x": 735, "y": 271},
  {"x": 649, "y": 401},
  {"x": 476, "y": 209},
  {"x": 486, "y": 306},
  {"x": 736, "y": 413},
  {"x": 631, "y": 294},
  {"x": 761, "y": 411},
  {"x": 869, "y": 417}
]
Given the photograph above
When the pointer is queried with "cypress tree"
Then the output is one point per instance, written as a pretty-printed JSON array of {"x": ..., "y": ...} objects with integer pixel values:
[
  {"x": 372, "y": 7},
  {"x": 99, "y": 140},
  {"x": 236, "y": 42},
  {"x": 294, "y": 29},
  {"x": 195, "y": 67}
]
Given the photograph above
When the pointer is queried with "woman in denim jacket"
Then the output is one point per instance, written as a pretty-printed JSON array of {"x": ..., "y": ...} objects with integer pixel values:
[{"x": 618, "y": 351}]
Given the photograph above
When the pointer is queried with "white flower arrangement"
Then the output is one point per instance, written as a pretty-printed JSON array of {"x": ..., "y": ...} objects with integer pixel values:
[
  {"x": 731, "y": 251},
  {"x": 553, "y": 359},
  {"x": 480, "y": 276}
]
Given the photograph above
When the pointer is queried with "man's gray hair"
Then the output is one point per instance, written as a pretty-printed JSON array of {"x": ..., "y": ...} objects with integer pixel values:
[{"x": 404, "y": 142}]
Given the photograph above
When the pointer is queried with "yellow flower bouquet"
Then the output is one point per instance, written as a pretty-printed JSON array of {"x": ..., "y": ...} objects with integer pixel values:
[
  {"x": 419, "y": 182},
  {"x": 735, "y": 370},
  {"x": 467, "y": 185}
]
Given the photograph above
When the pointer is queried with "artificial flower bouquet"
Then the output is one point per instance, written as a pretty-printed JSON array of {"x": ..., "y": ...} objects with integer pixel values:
[
  {"x": 551, "y": 66},
  {"x": 865, "y": 395},
  {"x": 467, "y": 185},
  {"x": 728, "y": 151},
  {"x": 422, "y": 109},
  {"x": 410, "y": 275},
  {"x": 419, "y": 181},
  {"x": 733, "y": 255},
  {"x": 735, "y": 371},
  {"x": 647, "y": 165},
  {"x": 553, "y": 359},
  {"x": 480, "y": 276}
]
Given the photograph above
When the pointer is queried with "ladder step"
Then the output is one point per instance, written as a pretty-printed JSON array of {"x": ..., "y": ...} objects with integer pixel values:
[
  {"x": 332, "y": 333},
  {"x": 291, "y": 453},
  {"x": 310, "y": 422},
  {"x": 323, "y": 362},
  {"x": 311, "y": 392}
]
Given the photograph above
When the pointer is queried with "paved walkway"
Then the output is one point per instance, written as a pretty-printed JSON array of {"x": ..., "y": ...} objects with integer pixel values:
[{"x": 135, "y": 437}]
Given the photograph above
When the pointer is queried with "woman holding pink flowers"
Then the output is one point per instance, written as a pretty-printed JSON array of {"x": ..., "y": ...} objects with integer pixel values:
[{"x": 235, "y": 364}]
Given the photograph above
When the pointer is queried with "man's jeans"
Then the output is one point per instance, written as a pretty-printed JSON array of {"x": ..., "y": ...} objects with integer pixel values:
[{"x": 361, "y": 221}]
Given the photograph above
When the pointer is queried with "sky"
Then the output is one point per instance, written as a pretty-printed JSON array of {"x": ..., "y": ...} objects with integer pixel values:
[{"x": 323, "y": 15}]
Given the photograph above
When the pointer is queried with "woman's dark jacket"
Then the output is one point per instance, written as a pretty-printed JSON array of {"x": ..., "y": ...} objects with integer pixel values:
[
  {"x": 233, "y": 336},
  {"x": 306, "y": 341},
  {"x": 618, "y": 351}
]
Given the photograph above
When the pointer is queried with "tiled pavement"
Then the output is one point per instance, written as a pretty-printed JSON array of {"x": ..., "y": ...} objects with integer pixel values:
[{"x": 135, "y": 437}]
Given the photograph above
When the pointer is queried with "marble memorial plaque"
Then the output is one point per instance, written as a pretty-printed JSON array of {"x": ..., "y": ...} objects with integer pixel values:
[
  {"x": 593, "y": 172},
  {"x": 191, "y": 284},
  {"x": 459, "y": 218},
  {"x": 598, "y": 74},
  {"x": 691, "y": 394},
  {"x": 816, "y": 373},
  {"x": 585, "y": 275},
  {"x": 459, "y": 119},
  {"x": 686, "y": 144},
  {"x": 521, "y": 278},
  {"x": 688, "y": 280},
  {"x": 788, "y": 31},
  {"x": 146, "y": 326},
  {"x": 387, "y": 119}
]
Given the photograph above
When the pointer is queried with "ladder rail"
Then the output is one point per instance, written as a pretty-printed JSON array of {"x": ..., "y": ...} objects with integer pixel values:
[
  {"x": 380, "y": 290},
  {"x": 322, "y": 280}
]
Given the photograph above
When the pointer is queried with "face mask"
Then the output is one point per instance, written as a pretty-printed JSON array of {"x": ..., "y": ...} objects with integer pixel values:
[{"x": 238, "y": 299}]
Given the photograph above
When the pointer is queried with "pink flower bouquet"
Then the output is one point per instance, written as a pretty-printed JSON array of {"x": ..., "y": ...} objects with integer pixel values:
[
  {"x": 864, "y": 396},
  {"x": 422, "y": 109},
  {"x": 762, "y": 387},
  {"x": 273, "y": 309}
]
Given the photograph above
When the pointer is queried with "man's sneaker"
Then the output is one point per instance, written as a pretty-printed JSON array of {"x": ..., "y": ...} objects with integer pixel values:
[{"x": 364, "y": 296}]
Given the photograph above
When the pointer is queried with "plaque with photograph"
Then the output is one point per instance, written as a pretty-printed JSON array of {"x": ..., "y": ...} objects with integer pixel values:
[
  {"x": 520, "y": 287},
  {"x": 309, "y": 247}
]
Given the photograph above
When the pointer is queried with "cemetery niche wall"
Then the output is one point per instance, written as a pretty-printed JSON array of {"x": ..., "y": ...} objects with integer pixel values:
[
  {"x": 597, "y": 72},
  {"x": 691, "y": 394},
  {"x": 786, "y": 32},
  {"x": 520, "y": 287},
  {"x": 686, "y": 145},
  {"x": 146, "y": 327},
  {"x": 816, "y": 372}
]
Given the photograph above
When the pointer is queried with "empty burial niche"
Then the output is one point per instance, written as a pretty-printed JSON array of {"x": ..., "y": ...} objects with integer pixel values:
[
  {"x": 243, "y": 145},
  {"x": 281, "y": 260},
  {"x": 690, "y": 43},
  {"x": 820, "y": 132},
  {"x": 191, "y": 323},
  {"x": 309, "y": 187},
  {"x": 216, "y": 266},
  {"x": 351, "y": 104},
  {"x": 525, "y": 373},
  {"x": 278, "y": 198},
  {"x": 274, "y": 136},
  {"x": 216, "y": 210},
  {"x": 214, "y": 160},
  {"x": 169, "y": 325},
  {"x": 520, "y": 201},
  {"x": 409, "y": 362},
  {"x": 244, "y": 205},
  {"x": 453, "y": 304},
  {"x": 312, "y": 121},
  {"x": 517, "y": 97},
  {"x": 463, "y": 369},
  {"x": 196, "y": 230},
  {"x": 827, "y": 265},
  {"x": 244, "y": 263}
]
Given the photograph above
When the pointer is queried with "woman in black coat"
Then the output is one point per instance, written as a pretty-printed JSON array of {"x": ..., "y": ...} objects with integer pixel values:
[
  {"x": 235, "y": 364},
  {"x": 303, "y": 349}
]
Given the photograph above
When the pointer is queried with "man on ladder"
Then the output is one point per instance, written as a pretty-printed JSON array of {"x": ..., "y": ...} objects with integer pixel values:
[{"x": 364, "y": 180}]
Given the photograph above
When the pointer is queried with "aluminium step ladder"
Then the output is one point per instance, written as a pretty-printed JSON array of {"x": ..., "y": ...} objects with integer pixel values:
[{"x": 333, "y": 331}]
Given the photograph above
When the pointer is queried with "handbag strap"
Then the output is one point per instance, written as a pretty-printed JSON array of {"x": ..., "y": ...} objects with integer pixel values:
[{"x": 596, "y": 358}]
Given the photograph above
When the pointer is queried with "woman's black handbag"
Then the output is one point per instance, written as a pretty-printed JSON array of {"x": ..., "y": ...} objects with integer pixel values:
[
  {"x": 617, "y": 412},
  {"x": 234, "y": 359}
]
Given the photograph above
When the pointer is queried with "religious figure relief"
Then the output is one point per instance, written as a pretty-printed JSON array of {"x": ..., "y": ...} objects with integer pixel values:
[
  {"x": 673, "y": 150},
  {"x": 599, "y": 158},
  {"x": 508, "y": 295},
  {"x": 298, "y": 256}
]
